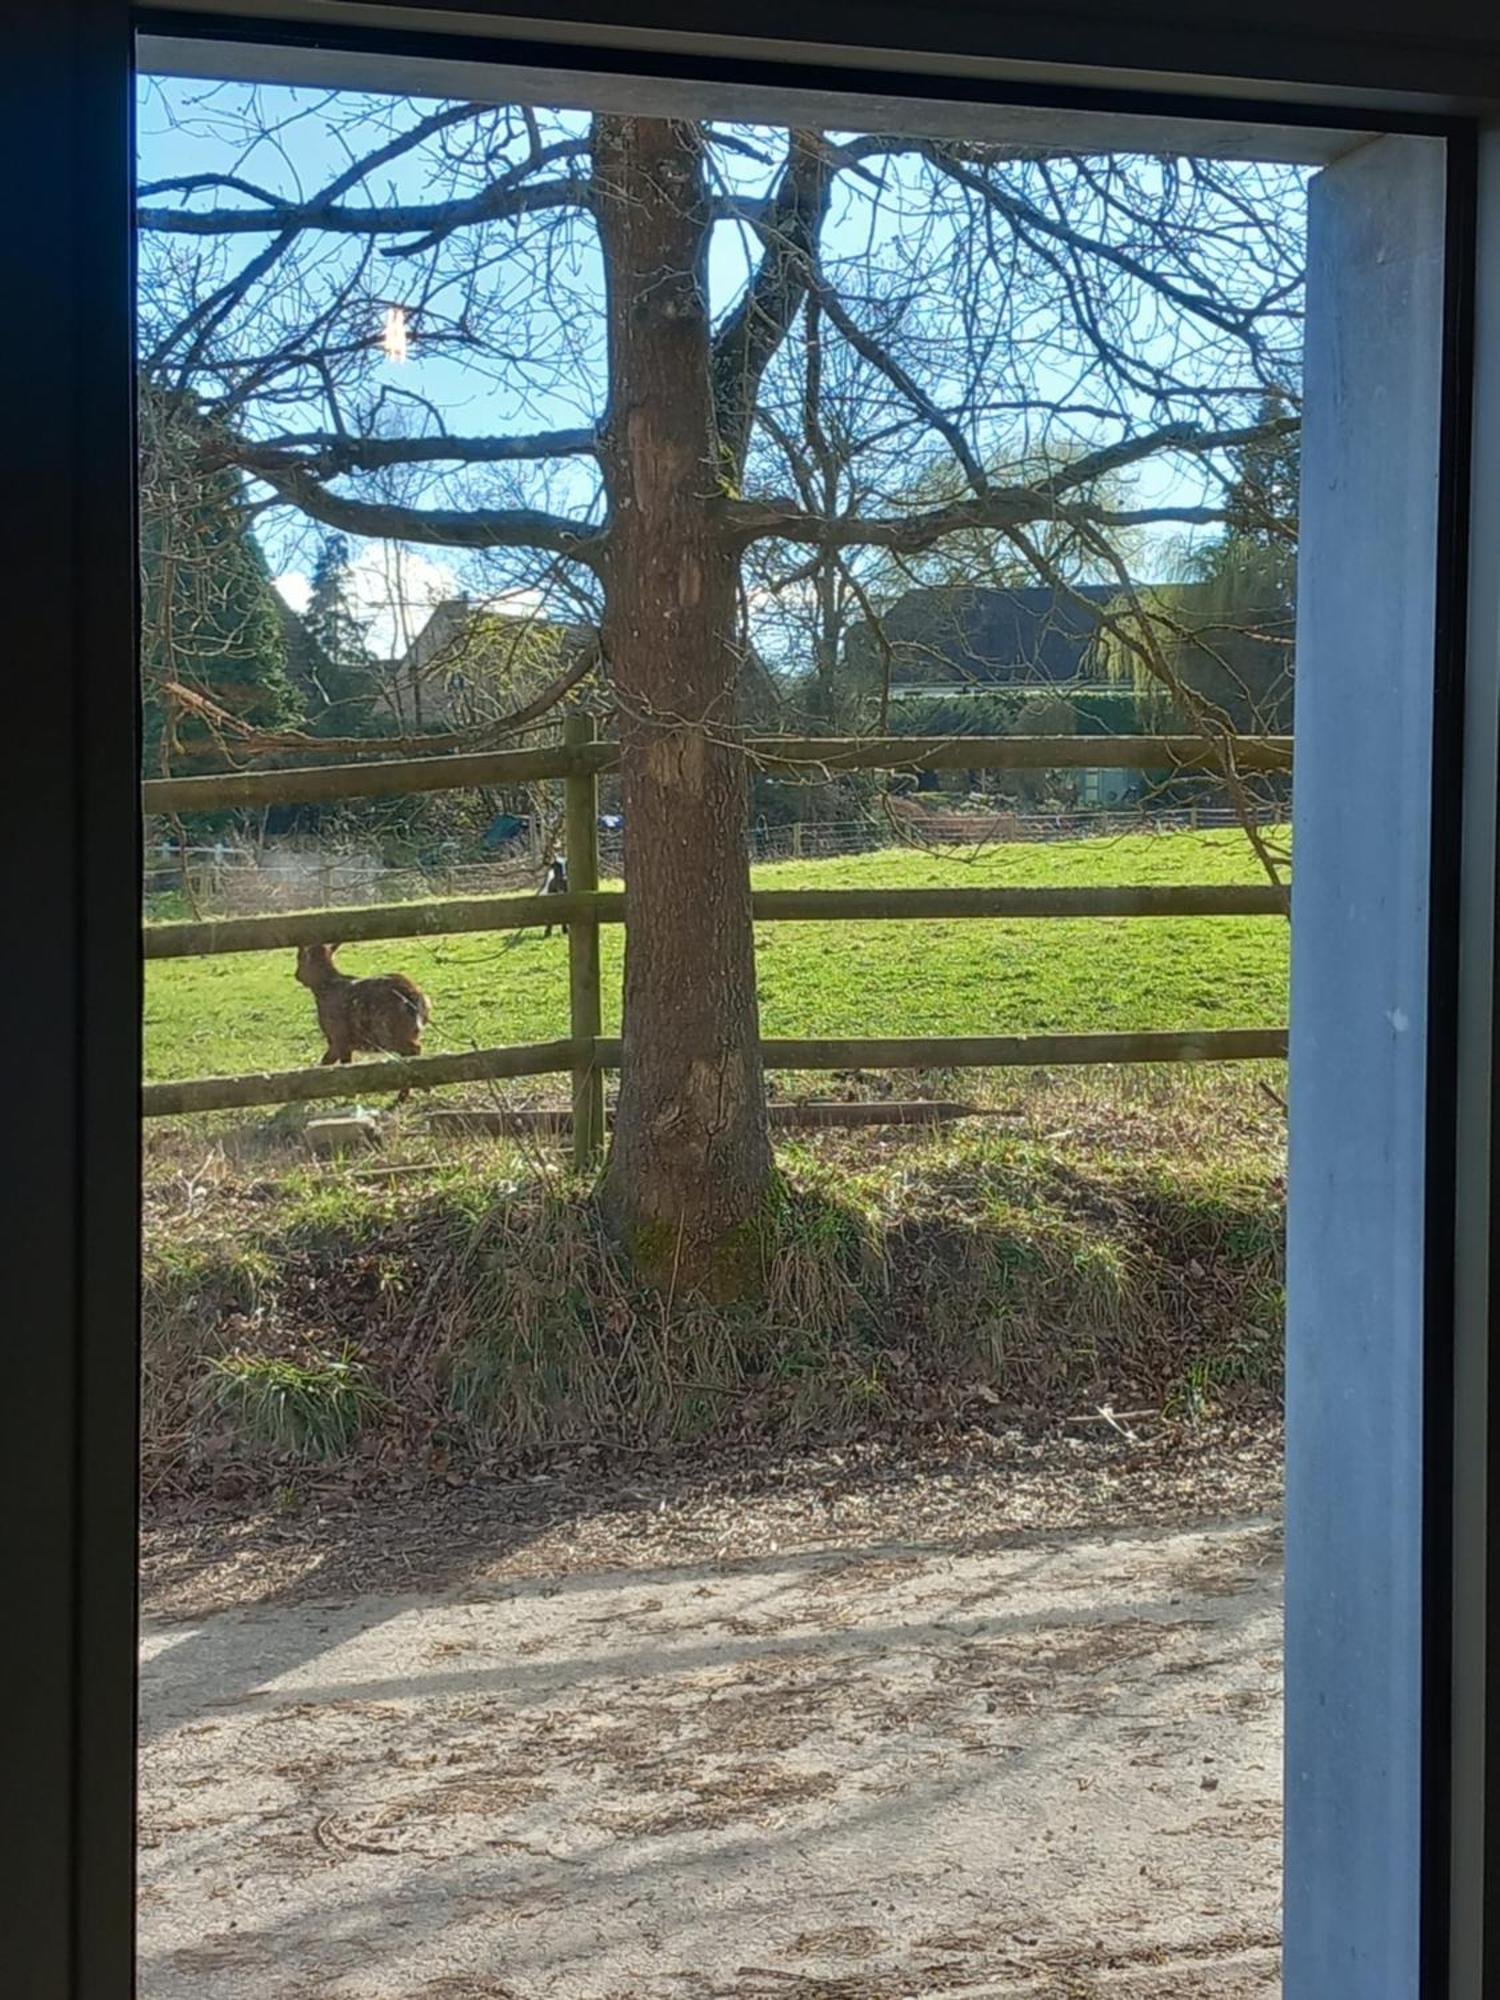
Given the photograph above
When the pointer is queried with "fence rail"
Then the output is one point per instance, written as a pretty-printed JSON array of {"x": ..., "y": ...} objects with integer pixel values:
[
  {"x": 302, "y": 1086},
  {"x": 568, "y": 1058},
  {"x": 450, "y": 917},
  {"x": 808, "y": 755},
  {"x": 587, "y": 1054}
]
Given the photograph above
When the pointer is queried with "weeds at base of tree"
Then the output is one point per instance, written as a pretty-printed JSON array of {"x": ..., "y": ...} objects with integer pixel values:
[{"x": 475, "y": 1312}]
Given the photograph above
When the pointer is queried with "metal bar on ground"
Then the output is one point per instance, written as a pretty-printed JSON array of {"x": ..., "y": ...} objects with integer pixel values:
[
  {"x": 448, "y": 917},
  {"x": 490, "y": 1122},
  {"x": 304, "y": 784}
]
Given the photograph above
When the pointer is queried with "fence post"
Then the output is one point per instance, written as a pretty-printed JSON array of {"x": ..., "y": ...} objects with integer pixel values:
[{"x": 581, "y": 822}]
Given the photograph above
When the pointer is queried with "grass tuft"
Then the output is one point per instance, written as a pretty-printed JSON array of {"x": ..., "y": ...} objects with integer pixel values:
[{"x": 311, "y": 1409}]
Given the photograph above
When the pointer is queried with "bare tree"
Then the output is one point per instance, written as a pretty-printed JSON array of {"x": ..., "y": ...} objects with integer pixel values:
[{"x": 653, "y": 307}]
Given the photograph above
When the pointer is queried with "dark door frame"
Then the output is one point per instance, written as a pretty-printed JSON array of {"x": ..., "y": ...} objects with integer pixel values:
[{"x": 69, "y": 1277}]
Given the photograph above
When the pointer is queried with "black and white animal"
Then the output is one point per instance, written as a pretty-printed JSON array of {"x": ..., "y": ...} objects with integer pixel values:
[{"x": 556, "y": 885}]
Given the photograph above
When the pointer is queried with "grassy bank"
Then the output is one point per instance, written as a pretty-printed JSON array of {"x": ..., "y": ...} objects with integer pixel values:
[
  {"x": 218, "y": 1016},
  {"x": 465, "y": 1315}
]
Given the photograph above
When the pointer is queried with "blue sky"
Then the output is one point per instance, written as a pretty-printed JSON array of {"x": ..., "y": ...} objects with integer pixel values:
[{"x": 298, "y": 145}]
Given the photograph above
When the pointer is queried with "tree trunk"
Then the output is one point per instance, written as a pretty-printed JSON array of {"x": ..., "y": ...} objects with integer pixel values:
[{"x": 690, "y": 1159}]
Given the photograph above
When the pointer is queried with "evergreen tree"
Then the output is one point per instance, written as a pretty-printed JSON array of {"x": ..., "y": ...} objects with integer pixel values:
[
  {"x": 210, "y": 619},
  {"x": 306, "y": 667},
  {"x": 340, "y": 662},
  {"x": 1262, "y": 501}
]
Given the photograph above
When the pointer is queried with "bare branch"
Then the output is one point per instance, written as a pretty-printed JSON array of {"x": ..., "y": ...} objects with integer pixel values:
[
  {"x": 438, "y": 527},
  {"x": 866, "y": 345},
  {"x": 211, "y": 312},
  {"x": 248, "y": 738},
  {"x": 326, "y": 455},
  {"x": 499, "y": 203},
  {"x": 747, "y": 341},
  {"x": 1022, "y": 214},
  {"x": 1000, "y": 508}
]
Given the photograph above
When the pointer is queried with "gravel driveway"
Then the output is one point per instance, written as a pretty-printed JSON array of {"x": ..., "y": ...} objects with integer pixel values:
[{"x": 860, "y": 1770}]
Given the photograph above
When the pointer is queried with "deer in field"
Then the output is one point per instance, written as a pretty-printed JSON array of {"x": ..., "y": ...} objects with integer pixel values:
[{"x": 384, "y": 1015}]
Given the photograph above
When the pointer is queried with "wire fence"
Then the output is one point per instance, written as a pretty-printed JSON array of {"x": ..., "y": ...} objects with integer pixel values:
[
  {"x": 819, "y": 839},
  {"x": 226, "y": 880}
]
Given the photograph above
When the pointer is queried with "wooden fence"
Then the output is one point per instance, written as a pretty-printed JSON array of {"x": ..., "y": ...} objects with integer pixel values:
[{"x": 587, "y": 1053}]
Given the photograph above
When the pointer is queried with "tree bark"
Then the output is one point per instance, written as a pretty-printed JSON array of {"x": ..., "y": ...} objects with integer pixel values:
[{"x": 690, "y": 1159}]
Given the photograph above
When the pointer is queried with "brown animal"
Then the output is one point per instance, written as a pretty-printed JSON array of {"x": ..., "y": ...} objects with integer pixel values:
[{"x": 385, "y": 1015}]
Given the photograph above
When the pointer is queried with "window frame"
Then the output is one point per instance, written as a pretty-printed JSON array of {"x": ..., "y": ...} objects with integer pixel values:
[{"x": 70, "y": 1280}]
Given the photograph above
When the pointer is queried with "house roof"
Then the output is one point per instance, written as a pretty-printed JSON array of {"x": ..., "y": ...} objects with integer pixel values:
[
  {"x": 1035, "y": 634},
  {"x": 460, "y": 631}
]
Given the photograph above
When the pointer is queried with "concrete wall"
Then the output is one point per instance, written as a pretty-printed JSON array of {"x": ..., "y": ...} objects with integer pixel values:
[{"x": 1365, "y": 649}]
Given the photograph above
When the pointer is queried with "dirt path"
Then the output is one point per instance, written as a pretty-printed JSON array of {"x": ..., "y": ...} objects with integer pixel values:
[{"x": 1047, "y": 1769}]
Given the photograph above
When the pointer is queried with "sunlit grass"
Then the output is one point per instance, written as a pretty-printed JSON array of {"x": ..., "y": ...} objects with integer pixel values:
[{"x": 244, "y": 1011}]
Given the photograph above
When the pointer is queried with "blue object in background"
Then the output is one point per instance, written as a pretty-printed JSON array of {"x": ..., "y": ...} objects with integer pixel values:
[{"x": 502, "y": 829}]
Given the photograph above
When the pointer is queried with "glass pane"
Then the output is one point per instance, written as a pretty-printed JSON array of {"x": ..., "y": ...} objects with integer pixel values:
[{"x": 726, "y": 1438}]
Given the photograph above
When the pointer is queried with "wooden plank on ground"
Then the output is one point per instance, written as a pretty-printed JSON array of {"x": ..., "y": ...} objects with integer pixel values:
[
  {"x": 812, "y": 1115},
  {"x": 1012, "y": 1051}
]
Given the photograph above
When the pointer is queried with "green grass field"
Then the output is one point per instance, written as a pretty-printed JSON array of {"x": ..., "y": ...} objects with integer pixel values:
[{"x": 244, "y": 1011}]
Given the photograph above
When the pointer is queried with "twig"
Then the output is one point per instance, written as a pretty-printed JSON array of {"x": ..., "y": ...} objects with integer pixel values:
[{"x": 1108, "y": 1416}]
